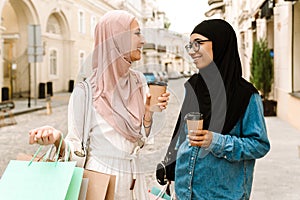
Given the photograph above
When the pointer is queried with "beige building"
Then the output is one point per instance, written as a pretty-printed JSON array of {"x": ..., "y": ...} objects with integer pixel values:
[
  {"x": 66, "y": 30},
  {"x": 279, "y": 22}
]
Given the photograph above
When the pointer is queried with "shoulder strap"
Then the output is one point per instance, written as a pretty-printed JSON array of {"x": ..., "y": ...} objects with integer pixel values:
[{"x": 87, "y": 115}]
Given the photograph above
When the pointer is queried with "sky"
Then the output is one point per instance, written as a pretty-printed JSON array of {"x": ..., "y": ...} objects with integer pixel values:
[{"x": 184, "y": 15}]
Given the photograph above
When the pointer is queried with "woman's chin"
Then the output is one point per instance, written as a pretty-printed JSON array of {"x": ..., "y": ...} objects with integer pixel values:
[{"x": 198, "y": 64}]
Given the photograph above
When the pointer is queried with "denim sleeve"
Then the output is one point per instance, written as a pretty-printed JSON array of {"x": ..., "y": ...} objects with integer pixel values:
[{"x": 252, "y": 144}]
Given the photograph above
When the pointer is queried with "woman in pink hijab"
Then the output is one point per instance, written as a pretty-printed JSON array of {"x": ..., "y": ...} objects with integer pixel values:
[{"x": 108, "y": 114}]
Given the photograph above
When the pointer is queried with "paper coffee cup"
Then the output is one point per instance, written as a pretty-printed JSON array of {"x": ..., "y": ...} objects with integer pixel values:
[
  {"x": 194, "y": 121},
  {"x": 156, "y": 89}
]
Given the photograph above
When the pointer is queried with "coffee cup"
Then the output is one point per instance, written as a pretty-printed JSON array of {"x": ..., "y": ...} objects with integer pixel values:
[
  {"x": 156, "y": 89},
  {"x": 194, "y": 121}
]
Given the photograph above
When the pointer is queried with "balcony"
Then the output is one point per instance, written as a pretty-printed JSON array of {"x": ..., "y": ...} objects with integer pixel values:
[
  {"x": 161, "y": 49},
  {"x": 215, "y": 6},
  {"x": 149, "y": 46},
  {"x": 210, "y": 2}
]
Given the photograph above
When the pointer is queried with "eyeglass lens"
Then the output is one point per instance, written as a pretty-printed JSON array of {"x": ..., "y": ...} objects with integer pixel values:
[{"x": 195, "y": 45}]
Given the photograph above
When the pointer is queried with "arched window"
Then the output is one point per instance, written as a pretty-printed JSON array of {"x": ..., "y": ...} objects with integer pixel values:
[{"x": 53, "y": 25}]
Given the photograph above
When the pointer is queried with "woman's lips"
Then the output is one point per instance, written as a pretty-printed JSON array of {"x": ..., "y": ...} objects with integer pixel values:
[{"x": 196, "y": 58}]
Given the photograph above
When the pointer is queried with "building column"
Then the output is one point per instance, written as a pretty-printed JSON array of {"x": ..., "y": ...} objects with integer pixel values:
[
  {"x": 261, "y": 29},
  {"x": 282, "y": 56}
]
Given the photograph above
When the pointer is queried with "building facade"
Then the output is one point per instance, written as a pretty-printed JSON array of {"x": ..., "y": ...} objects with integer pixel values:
[
  {"x": 64, "y": 42},
  {"x": 66, "y": 37},
  {"x": 277, "y": 21}
]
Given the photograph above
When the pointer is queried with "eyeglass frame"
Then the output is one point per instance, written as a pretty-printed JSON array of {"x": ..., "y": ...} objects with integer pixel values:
[{"x": 191, "y": 45}]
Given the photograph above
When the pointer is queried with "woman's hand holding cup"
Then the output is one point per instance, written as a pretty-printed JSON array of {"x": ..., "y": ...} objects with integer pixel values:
[
  {"x": 158, "y": 96},
  {"x": 200, "y": 138},
  {"x": 197, "y": 136}
]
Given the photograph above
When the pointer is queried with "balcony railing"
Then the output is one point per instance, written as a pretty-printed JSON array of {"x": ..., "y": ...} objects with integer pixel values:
[
  {"x": 149, "y": 46},
  {"x": 216, "y": 7},
  {"x": 214, "y": 1},
  {"x": 161, "y": 49}
]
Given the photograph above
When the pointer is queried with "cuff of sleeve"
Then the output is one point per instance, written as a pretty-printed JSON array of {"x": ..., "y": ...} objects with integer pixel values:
[
  {"x": 80, "y": 160},
  {"x": 216, "y": 145}
]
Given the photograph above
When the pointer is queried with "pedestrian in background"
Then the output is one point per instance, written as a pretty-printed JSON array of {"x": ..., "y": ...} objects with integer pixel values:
[
  {"x": 120, "y": 116},
  {"x": 218, "y": 161}
]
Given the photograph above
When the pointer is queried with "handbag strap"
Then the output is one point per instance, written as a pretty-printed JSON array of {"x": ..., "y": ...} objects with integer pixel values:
[{"x": 87, "y": 116}]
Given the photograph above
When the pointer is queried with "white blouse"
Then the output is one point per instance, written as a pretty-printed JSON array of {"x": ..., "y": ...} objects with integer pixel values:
[{"x": 108, "y": 151}]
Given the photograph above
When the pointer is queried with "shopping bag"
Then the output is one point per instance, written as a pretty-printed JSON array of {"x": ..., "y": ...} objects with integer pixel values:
[
  {"x": 161, "y": 194},
  {"x": 83, "y": 189},
  {"x": 154, "y": 197},
  {"x": 94, "y": 186},
  {"x": 75, "y": 185},
  {"x": 156, "y": 193},
  {"x": 100, "y": 186},
  {"x": 39, "y": 180},
  {"x": 24, "y": 180}
]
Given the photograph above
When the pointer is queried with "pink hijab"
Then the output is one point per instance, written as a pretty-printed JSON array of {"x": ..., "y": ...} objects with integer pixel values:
[{"x": 117, "y": 89}]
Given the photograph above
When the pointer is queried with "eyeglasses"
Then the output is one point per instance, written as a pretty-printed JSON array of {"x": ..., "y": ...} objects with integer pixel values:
[{"x": 195, "y": 45}]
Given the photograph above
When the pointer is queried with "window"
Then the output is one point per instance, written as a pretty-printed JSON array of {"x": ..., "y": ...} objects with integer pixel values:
[
  {"x": 81, "y": 59},
  {"x": 93, "y": 25},
  {"x": 81, "y": 22},
  {"x": 53, "y": 25},
  {"x": 53, "y": 62},
  {"x": 296, "y": 51}
]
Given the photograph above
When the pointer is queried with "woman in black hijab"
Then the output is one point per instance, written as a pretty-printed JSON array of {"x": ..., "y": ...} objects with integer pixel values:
[{"x": 220, "y": 158}]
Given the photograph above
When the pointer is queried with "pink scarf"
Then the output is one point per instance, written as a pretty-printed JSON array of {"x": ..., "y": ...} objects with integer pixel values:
[{"x": 117, "y": 90}]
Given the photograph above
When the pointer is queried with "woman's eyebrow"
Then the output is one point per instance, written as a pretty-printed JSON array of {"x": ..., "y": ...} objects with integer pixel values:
[{"x": 198, "y": 39}]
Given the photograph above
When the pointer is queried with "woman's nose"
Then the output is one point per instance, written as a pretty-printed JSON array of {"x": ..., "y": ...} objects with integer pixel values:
[{"x": 143, "y": 41}]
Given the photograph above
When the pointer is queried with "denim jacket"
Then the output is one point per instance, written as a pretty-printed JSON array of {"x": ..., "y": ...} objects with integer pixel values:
[{"x": 224, "y": 170}]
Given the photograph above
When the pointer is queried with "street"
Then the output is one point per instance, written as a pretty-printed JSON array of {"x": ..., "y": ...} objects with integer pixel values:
[{"x": 276, "y": 176}]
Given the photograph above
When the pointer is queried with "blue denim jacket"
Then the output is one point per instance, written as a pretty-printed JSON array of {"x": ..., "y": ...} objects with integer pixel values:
[{"x": 224, "y": 170}]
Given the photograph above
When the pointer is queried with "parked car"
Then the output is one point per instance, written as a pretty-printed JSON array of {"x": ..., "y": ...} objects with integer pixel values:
[
  {"x": 163, "y": 76},
  {"x": 157, "y": 77},
  {"x": 150, "y": 77}
]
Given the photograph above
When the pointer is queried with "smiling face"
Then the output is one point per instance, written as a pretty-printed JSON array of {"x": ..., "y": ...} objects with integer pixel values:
[
  {"x": 137, "y": 41},
  {"x": 204, "y": 56}
]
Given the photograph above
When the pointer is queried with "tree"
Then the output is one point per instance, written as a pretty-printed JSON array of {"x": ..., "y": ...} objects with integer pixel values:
[{"x": 262, "y": 72}]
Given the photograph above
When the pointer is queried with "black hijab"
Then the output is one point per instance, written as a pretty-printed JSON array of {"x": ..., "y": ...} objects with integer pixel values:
[{"x": 219, "y": 88}]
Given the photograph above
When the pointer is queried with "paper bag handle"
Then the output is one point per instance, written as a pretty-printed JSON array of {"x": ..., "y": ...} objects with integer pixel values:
[{"x": 40, "y": 147}]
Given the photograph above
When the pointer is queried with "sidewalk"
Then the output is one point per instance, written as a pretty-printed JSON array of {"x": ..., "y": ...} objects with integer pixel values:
[
  {"x": 276, "y": 176},
  {"x": 21, "y": 105}
]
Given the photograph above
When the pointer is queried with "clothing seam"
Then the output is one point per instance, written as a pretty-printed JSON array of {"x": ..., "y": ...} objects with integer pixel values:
[
  {"x": 195, "y": 155},
  {"x": 245, "y": 180}
]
